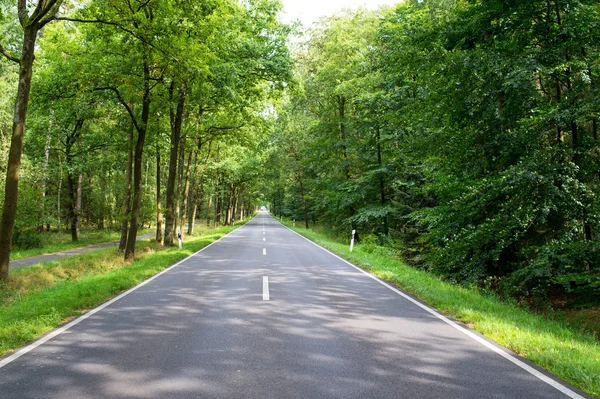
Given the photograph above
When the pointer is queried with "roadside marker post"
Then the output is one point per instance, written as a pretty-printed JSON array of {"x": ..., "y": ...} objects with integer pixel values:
[
  {"x": 179, "y": 237},
  {"x": 294, "y": 223},
  {"x": 352, "y": 240}
]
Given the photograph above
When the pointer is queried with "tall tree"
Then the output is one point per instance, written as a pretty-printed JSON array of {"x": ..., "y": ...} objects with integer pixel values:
[{"x": 31, "y": 22}]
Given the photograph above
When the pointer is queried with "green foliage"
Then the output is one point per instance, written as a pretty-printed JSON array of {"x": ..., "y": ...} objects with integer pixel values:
[
  {"x": 465, "y": 131},
  {"x": 26, "y": 239},
  {"x": 88, "y": 92}
]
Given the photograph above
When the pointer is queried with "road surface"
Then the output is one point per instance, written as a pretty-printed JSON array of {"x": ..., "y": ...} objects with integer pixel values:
[{"x": 264, "y": 313}]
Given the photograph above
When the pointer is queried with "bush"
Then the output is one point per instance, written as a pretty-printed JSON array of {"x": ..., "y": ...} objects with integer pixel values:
[{"x": 26, "y": 239}]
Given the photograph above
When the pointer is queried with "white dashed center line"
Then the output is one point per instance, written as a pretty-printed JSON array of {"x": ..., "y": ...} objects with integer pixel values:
[{"x": 266, "y": 296}]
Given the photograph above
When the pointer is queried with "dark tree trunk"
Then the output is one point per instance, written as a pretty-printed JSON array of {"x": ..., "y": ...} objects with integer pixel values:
[
  {"x": 72, "y": 194},
  {"x": 72, "y": 186},
  {"x": 137, "y": 167},
  {"x": 176, "y": 121},
  {"x": 78, "y": 206},
  {"x": 11, "y": 190},
  {"x": 127, "y": 199}
]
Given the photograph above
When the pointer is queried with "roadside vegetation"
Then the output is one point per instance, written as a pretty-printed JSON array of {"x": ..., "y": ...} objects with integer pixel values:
[
  {"x": 39, "y": 298},
  {"x": 566, "y": 349},
  {"x": 56, "y": 241},
  {"x": 134, "y": 113}
]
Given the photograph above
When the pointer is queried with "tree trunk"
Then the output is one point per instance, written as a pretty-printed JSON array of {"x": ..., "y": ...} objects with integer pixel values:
[
  {"x": 208, "y": 207},
  {"x": 243, "y": 203},
  {"x": 193, "y": 197},
  {"x": 78, "y": 206},
  {"x": 342, "y": 114},
  {"x": 137, "y": 167},
  {"x": 199, "y": 192},
  {"x": 158, "y": 210},
  {"x": 127, "y": 198},
  {"x": 11, "y": 190},
  {"x": 218, "y": 207},
  {"x": 178, "y": 184},
  {"x": 45, "y": 177},
  {"x": 176, "y": 122},
  {"x": 381, "y": 181},
  {"x": 72, "y": 194},
  {"x": 185, "y": 194},
  {"x": 229, "y": 203},
  {"x": 234, "y": 212},
  {"x": 192, "y": 220},
  {"x": 304, "y": 205},
  {"x": 71, "y": 185},
  {"x": 59, "y": 193}
]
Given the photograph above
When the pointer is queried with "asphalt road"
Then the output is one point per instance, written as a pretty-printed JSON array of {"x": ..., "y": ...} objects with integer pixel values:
[{"x": 205, "y": 329}]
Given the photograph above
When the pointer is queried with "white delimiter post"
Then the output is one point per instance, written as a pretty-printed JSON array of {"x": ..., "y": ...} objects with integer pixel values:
[
  {"x": 352, "y": 240},
  {"x": 179, "y": 237}
]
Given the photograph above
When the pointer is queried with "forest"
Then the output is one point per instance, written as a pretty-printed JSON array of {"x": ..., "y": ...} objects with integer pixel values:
[
  {"x": 461, "y": 135},
  {"x": 139, "y": 113}
]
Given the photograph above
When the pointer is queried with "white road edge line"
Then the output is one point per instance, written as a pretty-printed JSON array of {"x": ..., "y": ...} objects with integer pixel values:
[
  {"x": 541, "y": 376},
  {"x": 54, "y": 333},
  {"x": 266, "y": 296}
]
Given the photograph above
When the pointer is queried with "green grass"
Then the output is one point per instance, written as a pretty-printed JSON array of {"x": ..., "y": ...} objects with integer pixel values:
[
  {"x": 54, "y": 241},
  {"x": 570, "y": 353},
  {"x": 37, "y": 299}
]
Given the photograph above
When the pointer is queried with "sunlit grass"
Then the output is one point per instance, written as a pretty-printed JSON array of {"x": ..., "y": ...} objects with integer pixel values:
[
  {"x": 568, "y": 352},
  {"x": 39, "y": 298}
]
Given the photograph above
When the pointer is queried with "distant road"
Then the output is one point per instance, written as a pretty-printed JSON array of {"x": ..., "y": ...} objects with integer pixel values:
[{"x": 264, "y": 313}]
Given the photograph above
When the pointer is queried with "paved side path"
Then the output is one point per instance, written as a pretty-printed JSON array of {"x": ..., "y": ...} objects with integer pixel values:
[
  {"x": 264, "y": 313},
  {"x": 69, "y": 252}
]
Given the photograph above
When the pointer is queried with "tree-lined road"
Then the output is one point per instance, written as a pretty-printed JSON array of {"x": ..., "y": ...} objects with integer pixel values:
[{"x": 264, "y": 313}]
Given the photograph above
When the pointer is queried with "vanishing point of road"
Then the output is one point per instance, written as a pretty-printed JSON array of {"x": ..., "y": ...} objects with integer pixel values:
[{"x": 264, "y": 313}]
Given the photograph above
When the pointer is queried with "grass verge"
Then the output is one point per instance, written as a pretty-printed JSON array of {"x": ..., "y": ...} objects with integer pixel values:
[
  {"x": 552, "y": 344},
  {"x": 39, "y": 298},
  {"x": 60, "y": 241}
]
